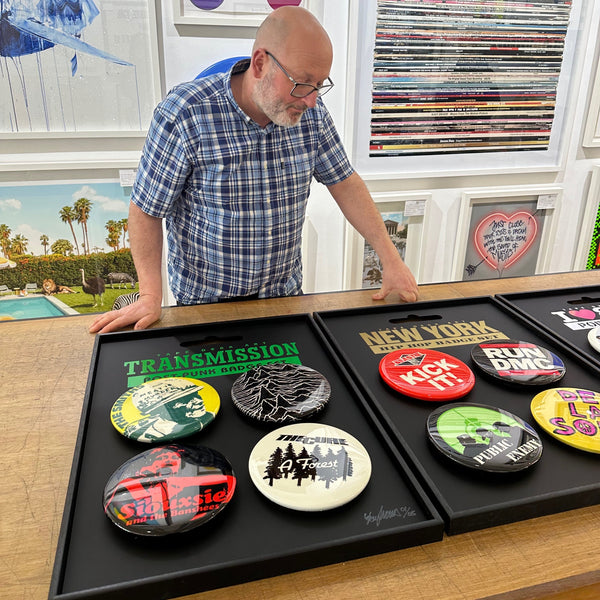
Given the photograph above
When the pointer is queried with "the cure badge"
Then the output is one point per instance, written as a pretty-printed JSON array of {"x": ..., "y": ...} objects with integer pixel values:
[
  {"x": 168, "y": 489},
  {"x": 280, "y": 393},
  {"x": 518, "y": 362},
  {"x": 426, "y": 374},
  {"x": 309, "y": 467},
  {"x": 484, "y": 438},
  {"x": 570, "y": 415},
  {"x": 165, "y": 409}
]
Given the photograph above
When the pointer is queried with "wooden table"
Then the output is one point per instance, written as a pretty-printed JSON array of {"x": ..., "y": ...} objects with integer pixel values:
[{"x": 43, "y": 372}]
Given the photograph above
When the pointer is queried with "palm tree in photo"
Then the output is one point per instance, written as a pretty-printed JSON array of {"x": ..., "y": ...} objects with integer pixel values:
[
  {"x": 19, "y": 244},
  {"x": 62, "y": 246},
  {"x": 45, "y": 241},
  {"x": 125, "y": 227},
  {"x": 114, "y": 229},
  {"x": 5, "y": 232},
  {"x": 68, "y": 215},
  {"x": 83, "y": 207}
]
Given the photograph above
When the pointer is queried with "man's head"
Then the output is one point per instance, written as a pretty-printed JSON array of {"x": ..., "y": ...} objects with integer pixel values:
[{"x": 290, "y": 45}]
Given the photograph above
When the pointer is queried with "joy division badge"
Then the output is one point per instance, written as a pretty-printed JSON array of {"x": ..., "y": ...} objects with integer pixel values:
[
  {"x": 426, "y": 374},
  {"x": 570, "y": 415},
  {"x": 280, "y": 393},
  {"x": 168, "y": 489},
  {"x": 484, "y": 438},
  {"x": 309, "y": 466},
  {"x": 518, "y": 362},
  {"x": 165, "y": 409},
  {"x": 594, "y": 338}
]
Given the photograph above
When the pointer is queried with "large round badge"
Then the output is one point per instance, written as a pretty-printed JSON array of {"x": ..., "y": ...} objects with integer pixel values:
[
  {"x": 518, "y": 362},
  {"x": 280, "y": 393},
  {"x": 594, "y": 338},
  {"x": 168, "y": 489},
  {"x": 309, "y": 467},
  {"x": 426, "y": 374},
  {"x": 570, "y": 415},
  {"x": 484, "y": 438},
  {"x": 165, "y": 409}
]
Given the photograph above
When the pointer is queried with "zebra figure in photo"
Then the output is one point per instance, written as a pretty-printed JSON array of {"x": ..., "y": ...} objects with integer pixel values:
[{"x": 125, "y": 300}]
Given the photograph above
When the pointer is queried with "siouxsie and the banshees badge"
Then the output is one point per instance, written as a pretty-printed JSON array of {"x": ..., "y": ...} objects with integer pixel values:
[
  {"x": 518, "y": 362},
  {"x": 309, "y": 466},
  {"x": 484, "y": 438},
  {"x": 168, "y": 489},
  {"x": 165, "y": 409}
]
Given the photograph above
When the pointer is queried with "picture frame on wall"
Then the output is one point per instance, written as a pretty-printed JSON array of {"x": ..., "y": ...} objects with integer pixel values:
[
  {"x": 404, "y": 215},
  {"x": 587, "y": 256},
  {"x": 96, "y": 75},
  {"x": 591, "y": 133},
  {"x": 229, "y": 13},
  {"x": 430, "y": 74},
  {"x": 61, "y": 236},
  {"x": 505, "y": 232}
]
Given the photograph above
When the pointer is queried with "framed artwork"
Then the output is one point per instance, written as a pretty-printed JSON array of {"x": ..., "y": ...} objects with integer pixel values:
[
  {"x": 588, "y": 247},
  {"x": 403, "y": 214},
  {"x": 591, "y": 133},
  {"x": 438, "y": 90},
  {"x": 230, "y": 13},
  {"x": 505, "y": 232},
  {"x": 86, "y": 73},
  {"x": 57, "y": 237}
]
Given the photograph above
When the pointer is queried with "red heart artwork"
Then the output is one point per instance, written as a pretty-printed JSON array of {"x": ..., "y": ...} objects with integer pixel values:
[
  {"x": 501, "y": 240},
  {"x": 583, "y": 313}
]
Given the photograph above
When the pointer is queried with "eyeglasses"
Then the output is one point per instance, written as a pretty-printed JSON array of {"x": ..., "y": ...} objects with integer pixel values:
[{"x": 301, "y": 90}]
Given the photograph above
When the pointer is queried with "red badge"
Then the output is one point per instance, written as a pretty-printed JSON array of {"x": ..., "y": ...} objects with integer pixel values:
[{"x": 426, "y": 374}]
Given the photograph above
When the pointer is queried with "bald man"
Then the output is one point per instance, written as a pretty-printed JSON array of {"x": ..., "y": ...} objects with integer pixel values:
[{"x": 228, "y": 163}]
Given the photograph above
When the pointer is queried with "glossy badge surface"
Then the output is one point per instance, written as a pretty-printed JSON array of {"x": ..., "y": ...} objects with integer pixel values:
[
  {"x": 168, "y": 489},
  {"x": 280, "y": 393},
  {"x": 484, "y": 438},
  {"x": 165, "y": 409},
  {"x": 309, "y": 467},
  {"x": 570, "y": 415},
  {"x": 426, "y": 374},
  {"x": 518, "y": 362},
  {"x": 594, "y": 338}
]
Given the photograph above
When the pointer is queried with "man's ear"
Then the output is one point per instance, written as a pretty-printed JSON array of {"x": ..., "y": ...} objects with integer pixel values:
[{"x": 258, "y": 62}]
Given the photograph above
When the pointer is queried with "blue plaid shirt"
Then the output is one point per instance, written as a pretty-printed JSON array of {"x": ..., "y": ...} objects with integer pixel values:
[{"x": 233, "y": 194}]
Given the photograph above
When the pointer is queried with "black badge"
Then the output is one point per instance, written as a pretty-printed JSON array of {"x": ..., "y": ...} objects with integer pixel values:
[
  {"x": 518, "y": 362},
  {"x": 484, "y": 438}
]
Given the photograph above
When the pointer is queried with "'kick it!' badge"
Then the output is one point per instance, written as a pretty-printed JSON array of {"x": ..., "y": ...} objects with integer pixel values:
[
  {"x": 168, "y": 489},
  {"x": 426, "y": 374},
  {"x": 309, "y": 467},
  {"x": 518, "y": 362},
  {"x": 484, "y": 438},
  {"x": 165, "y": 409},
  {"x": 570, "y": 415}
]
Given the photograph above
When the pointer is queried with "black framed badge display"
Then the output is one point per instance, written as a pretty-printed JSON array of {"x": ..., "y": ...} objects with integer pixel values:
[
  {"x": 468, "y": 457},
  {"x": 153, "y": 518},
  {"x": 571, "y": 314}
]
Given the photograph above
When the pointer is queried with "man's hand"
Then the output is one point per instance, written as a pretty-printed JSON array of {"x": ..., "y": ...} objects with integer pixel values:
[
  {"x": 141, "y": 314},
  {"x": 398, "y": 279}
]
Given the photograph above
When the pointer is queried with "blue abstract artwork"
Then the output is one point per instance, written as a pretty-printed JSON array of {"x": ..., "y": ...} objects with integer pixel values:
[{"x": 71, "y": 65}]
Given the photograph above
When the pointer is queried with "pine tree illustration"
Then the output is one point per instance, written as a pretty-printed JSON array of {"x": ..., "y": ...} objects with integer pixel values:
[
  {"x": 302, "y": 468},
  {"x": 344, "y": 464},
  {"x": 272, "y": 469},
  {"x": 290, "y": 459},
  {"x": 329, "y": 474}
]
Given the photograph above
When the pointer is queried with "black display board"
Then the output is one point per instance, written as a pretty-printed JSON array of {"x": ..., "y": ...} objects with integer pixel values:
[
  {"x": 252, "y": 538},
  {"x": 563, "y": 479},
  {"x": 568, "y": 313}
]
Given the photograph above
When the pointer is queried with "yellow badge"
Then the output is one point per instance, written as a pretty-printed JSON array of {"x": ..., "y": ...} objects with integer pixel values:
[{"x": 570, "y": 415}]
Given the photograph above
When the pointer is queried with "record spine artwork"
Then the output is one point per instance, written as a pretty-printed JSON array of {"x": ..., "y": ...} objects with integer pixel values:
[{"x": 465, "y": 76}]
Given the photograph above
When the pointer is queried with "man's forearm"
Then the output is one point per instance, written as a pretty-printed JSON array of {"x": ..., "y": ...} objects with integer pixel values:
[{"x": 146, "y": 241}]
